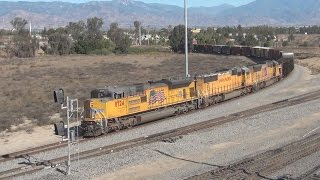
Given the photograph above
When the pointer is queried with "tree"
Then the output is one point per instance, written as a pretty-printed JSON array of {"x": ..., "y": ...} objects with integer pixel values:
[
  {"x": 123, "y": 43},
  {"x": 119, "y": 38},
  {"x": 114, "y": 27},
  {"x": 19, "y": 25},
  {"x": 285, "y": 43},
  {"x": 137, "y": 29},
  {"x": 76, "y": 29},
  {"x": 267, "y": 44},
  {"x": 250, "y": 40},
  {"x": 60, "y": 44},
  {"x": 177, "y": 39},
  {"x": 94, "y": 26},
  {"x": 239, "y": 28},
  {"x": 164, "y": 32},
  {"x": 23, "y": 44},
  {"x": 44, "y": 32},
  {"x": 291, "y": 38},
  {"x": 89, "y": 38}
]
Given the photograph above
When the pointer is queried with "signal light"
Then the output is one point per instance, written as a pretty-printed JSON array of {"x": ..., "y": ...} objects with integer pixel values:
[
  {"x": 59, "y": 129},
  {"x": 58, "y": 96}
]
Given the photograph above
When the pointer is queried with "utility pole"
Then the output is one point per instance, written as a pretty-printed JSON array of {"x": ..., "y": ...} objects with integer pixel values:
[
  {"x": 30, "y": 28},
  {"x": 148, "y": 35},
  {"x": 186, "y": 36},
  {"x": 140, "y": 34}
]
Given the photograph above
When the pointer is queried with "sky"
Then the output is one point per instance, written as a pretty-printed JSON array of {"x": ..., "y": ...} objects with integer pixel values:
[{"x": 193, "y": 3}]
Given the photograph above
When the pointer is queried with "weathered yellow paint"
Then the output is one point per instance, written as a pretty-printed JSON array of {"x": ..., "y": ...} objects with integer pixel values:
[
  {"x": 141, "y": 103},
  {"x": 162, "y": 96}
]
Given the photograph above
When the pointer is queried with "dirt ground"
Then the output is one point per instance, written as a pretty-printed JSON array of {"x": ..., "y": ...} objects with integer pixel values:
[
  {"x": 21, "y": 140},
  {"x": 301, "y": 40}
]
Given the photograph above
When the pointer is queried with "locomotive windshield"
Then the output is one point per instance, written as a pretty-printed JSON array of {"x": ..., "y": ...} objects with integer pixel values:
[{"x": 100, "y": 94}]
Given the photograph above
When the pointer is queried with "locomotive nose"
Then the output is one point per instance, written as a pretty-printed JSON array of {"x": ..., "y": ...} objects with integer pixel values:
[{"x": 89, "y": 113}]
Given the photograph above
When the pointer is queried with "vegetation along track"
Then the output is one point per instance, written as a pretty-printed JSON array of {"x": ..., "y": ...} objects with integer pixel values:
[
  {"x": 259, "y": 166},
  {"x": 174, "y": 133}
]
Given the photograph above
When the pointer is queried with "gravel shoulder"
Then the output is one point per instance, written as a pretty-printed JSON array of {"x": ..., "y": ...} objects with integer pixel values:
[{"x": 200, "y": 152}]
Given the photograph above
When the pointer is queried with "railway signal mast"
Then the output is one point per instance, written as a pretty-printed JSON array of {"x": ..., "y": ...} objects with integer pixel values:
[
  {"x": 72, "y": 107},
  {"x": 186, "y": 37}
]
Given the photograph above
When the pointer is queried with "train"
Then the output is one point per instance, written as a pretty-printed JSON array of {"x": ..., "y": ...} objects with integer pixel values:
[{"x": 115, "y": 108}]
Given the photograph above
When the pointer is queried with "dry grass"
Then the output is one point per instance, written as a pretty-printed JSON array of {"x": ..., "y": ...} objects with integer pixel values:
[{"x": 27, "y": 84}]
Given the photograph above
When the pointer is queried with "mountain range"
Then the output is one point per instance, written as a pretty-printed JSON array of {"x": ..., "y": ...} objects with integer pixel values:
[{"x": 125, "y": 12}]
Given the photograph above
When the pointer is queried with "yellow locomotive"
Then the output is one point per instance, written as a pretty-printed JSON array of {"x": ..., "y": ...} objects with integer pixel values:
[{"x": 116, "y": 108}]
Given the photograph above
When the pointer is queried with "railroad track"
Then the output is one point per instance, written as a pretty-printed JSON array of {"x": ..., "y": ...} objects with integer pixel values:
[
  {"x": 158, "y": 137},
  {"x": 311, "y": 174},
  {"x": 20, "y": 154},
  {"x": 258, "y": 167}
]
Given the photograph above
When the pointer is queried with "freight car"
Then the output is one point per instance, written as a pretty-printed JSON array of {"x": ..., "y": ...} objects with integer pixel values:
[
  {"x": 115, "y": 108},
  {"x": 264, "y": 53}
]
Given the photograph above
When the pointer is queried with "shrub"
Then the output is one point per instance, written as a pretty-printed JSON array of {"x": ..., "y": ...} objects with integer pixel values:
[{"x": 285, "y": 43}]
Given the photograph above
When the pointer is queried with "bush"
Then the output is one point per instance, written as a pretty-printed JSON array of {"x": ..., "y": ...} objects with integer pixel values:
[
  {"x": 88, "y": 46},
  {"x": 267, "y": 44},
  {"x": 305, "y": 44},
  {"x": 285, "y": 43}
]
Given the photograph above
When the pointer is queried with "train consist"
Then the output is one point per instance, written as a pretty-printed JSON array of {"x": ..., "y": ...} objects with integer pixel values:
[{"x": 116, "y": 108}]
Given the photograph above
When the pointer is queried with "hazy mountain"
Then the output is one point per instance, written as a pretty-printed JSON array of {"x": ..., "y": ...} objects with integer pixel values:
[
  {"x": 211, "y": 11},
  {"x": 54, "y": 14},
  {"x": 274, "y": 12}
]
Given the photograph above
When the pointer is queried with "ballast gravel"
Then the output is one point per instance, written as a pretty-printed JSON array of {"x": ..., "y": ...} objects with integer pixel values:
[
  {"x": 296, "y": 169},
  {"x": 198, "y": 152}
]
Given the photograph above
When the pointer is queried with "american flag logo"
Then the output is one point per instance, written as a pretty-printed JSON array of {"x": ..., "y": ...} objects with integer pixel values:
[
  {"x": 157, "y": 97},
  {"x": 264, "y": 72}
]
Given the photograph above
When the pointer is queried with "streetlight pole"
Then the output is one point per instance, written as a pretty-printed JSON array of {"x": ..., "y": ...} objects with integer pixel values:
[
  {"x": 186, "y": 36},
  {"x": 148, "y": 35}
]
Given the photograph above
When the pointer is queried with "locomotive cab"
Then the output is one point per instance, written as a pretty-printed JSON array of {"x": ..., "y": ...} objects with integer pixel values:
[{"x": 96, "y": 107}]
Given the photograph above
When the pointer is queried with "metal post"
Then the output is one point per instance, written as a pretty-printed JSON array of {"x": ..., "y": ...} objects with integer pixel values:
[
  {"x": 30, "y": 28},
  {"x": 148, "y": 35},
  {"x": 78, "y": 148},
  {"x": 68, "y": 131},
  {"x": 140, "y": 35},
  {"x": 186, "y": 36}
]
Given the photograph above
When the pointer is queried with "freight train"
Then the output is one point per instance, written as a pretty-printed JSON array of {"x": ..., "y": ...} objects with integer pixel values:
[{"x": 115, "y": 108}]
